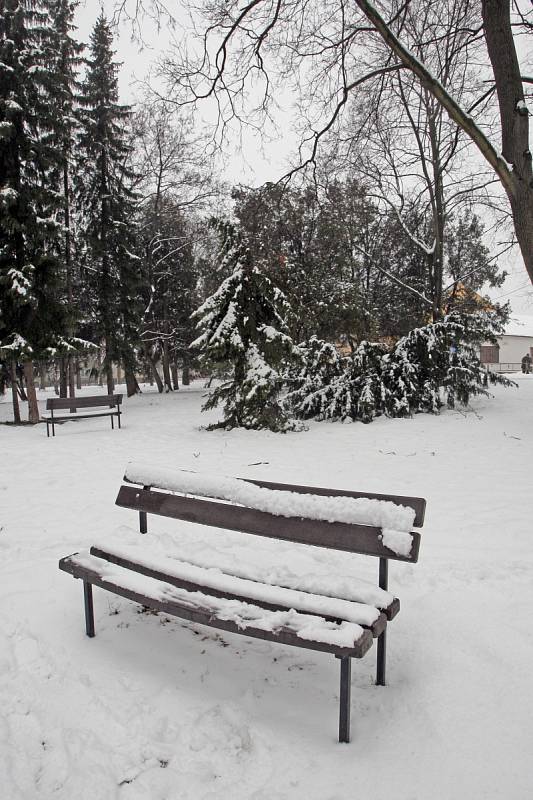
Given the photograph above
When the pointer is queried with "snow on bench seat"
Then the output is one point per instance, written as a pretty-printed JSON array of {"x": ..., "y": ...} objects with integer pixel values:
[
  {"x": 242, "y": 616},
  {"x": 395, "y": 520},
  {"x": 253, "y": 565},
  {"x": 213, "y": 578}
]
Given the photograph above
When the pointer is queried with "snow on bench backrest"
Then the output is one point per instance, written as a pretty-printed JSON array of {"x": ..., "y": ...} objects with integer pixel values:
[{"x": 386, "y": 520}]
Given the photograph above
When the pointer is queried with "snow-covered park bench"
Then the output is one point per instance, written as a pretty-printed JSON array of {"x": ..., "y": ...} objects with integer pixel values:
[
  {"x": 343, "y": 624},
  {"x": 98, "y": 401}
]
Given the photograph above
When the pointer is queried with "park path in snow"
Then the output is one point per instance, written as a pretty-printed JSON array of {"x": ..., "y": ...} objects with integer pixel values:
[{"x": 155, "y": 708}]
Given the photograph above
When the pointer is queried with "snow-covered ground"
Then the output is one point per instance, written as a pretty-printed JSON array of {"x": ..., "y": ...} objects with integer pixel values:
[{"x": 158, "y": 709}]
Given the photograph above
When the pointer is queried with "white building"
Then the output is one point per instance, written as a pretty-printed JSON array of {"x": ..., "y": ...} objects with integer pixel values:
[{"x": 517, "y": 340}]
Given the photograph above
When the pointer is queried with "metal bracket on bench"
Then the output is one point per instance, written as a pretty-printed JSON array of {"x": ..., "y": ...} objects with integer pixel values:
[{"x": 143, "y": 517}]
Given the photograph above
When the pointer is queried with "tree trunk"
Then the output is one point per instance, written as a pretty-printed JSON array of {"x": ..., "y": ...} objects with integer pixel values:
[
  {"x": 109, "y": 377},
  {"x": 185, "y": 373},
  {"x": 77, "y": 370},
  {"x": 71, "y": 376},
  {"x": 42, "y": 375},
  {"x": 166, "y": 367},
  {"x": 63, "y": 377},
  {"x": 33, "y": 405},
  {"x": 157, "y": 377},
  {"x": 14, "y": 393},
  {"x": 132, "y": 386},
  {"x": 20, "y": 387},
  {"x": 175, "y": 378}
]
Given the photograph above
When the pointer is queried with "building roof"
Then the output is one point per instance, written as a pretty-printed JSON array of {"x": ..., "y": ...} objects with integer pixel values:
[{"x": 519, "y": 325}]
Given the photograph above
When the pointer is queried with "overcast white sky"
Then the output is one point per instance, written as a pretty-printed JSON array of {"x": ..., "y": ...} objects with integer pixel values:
[{"x": 248, "y": 161}]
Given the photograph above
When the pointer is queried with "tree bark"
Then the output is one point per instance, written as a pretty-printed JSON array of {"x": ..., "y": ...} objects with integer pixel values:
[
  {"x": 110, "y": 381},
  {"x": 78, "y": 374},
  {"x": 185, "y": 373},
  {"x": 33, "y": 405},
  {"x": 175, "y": 378},
  {"x": 63, "y": 378},
  {"x": 42, "y": 375},
  {"x": 132, "y": 386},
  {"x": 166, "y": 367},
  {"x": 14, "y": 393}
]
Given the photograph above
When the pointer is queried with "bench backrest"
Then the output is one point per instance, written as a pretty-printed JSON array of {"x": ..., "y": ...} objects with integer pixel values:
[
  {"x": 89, "y": 401},
  {"x": 350, "y": 537}
]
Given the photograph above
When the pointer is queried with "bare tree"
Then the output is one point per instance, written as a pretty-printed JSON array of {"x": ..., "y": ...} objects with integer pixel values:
[
  {"x": 176, "y": 180},
  {"x": 327, "y": 49}
]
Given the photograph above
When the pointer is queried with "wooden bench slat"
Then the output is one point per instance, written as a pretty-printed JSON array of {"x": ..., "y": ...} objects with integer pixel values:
[
  {"x": 377, "y": 627},
  {"x": 84, "y": 402},
  {"x": 77, "y": 416},
  {"x": 282, "y": 636},
  {"x": 351, "y": 538},
  {"x": 418, "y": 504}
]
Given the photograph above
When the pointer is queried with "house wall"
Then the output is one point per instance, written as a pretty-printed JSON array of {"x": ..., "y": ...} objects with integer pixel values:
[{"x": 512, "y": 350}]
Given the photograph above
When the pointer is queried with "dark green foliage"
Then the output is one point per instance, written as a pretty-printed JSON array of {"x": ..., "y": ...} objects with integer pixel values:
[
  {"x": 107, "y": 206},
  {"x": 244, "y": 325},
  {"x": 31, "y": 319},
  {"x": 430, "y": 366}
]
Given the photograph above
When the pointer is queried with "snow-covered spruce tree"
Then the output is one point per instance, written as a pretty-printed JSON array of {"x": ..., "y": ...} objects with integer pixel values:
[
  {"x": 366, "y": 375},
  {"x": 439, "y": 363},
  {"x": 107, "y": 206},
  {"x": 31, "y": 319},
  {"x": 243, "y": 325},
  {"x": 466, "y": 377},
  {"x": 319, "y": 389}
]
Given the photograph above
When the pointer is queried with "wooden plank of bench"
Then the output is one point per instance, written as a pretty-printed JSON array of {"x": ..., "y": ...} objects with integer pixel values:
[
  {"x": 82, "y": 416},
  {"x": 418, "y": 504},
  {"x": 84, "y": 402},
  {"x": 376, "y": 628},
  {"x": 351, "y": 538},
  {"x": 206, "y": 617}
]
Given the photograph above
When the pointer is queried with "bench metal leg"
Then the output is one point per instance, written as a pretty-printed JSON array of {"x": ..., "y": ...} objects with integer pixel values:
[
  {"x": 345, "y": 698},
  {"x": 47, "y": 430},
  {"x": 382, "y": 659},
  {"x": 89, "y": 612},
  {"x": 382, "y": 639},
  {"x": 118, "y": 416},
  {"x": 112, "y": 423}
]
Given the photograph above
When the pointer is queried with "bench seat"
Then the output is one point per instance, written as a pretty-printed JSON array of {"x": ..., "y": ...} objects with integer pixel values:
[
  {"x": 76, "y": 415},
  {"x": 284, "y": 625}
]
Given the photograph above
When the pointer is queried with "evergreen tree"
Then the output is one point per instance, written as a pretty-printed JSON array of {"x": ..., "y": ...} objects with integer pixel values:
[
  {"x": 108, "y": 208},
  {"x": 430, "y": 366},
  {"x": 320, "y": 391},
  {"x": 64, "y": 61},
  {"x": 31, "y": 319},
  {"x": 244, "y": 324}
]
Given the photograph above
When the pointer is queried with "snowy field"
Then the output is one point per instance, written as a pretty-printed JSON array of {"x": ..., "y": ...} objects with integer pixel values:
[{"x": 158, "y": 709}]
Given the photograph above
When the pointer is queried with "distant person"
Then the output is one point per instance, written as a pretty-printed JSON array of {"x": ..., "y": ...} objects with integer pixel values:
[{"x": 526, "y": 364}]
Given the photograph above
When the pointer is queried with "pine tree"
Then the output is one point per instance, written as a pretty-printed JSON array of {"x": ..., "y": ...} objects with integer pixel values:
[
  {"x": 31, "y": 319},
  {"x": 64, "y": 62},
  {"x": 243, "y": 324},
  {"x": 108, "y": 207}
]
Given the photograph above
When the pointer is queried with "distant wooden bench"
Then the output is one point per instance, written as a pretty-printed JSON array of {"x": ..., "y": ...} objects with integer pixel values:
[
  {"x": 198, "y": 594},
  {"x": 111, "y": 401}
]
